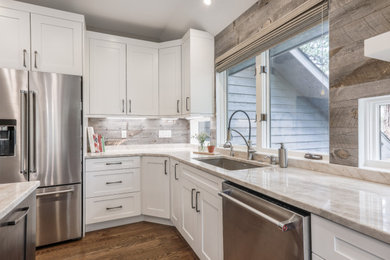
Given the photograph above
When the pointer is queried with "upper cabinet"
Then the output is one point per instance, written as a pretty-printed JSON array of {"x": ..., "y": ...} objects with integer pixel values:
[
  {"x": 198, "y": 73},
  {"x": 15, "y": 43},
  {"x": 56, "y": 45},
  {"x": 378, "y": 47},
  {"x": 170, "y": 81},
  {"x": 142, "y": 80},
  {"x": 107, "y": 75},
  {"x": 40, "y": 39}
]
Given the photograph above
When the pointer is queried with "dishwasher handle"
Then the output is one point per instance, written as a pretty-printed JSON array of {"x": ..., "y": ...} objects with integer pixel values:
[{"x": 283, "y": 225}]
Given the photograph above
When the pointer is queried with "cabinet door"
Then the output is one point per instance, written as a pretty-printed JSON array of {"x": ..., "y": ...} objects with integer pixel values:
[
  {"x": 142, "y": 80},
  {"x": 155, "y": 187},
  {"x": 186, "y": 87},
  {"x": 107, "y": 77},
  {"x": 189, "y": 218},
  {"x": 56, "y": 45},
  {"x": 15, "y": 42},
  {"x": 210, "y": 225},
  {"x": 175, "y": 194},
  {"x": 170, "y": 81}
]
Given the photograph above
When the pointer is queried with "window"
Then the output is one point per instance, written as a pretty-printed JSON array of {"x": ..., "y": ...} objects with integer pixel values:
[
  {"x": 285, "y": 91},
  {"x": 374, "y": 132},
  {"x": 198, "y": 126},
  {"x": 295, "y": 90},
  {"x": 241, "y": 95}
]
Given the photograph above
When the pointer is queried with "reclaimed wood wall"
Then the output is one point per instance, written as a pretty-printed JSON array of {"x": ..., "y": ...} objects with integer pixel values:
[
  {"x": 352, "y": 76},
  {"x": 140, "y": 131}
]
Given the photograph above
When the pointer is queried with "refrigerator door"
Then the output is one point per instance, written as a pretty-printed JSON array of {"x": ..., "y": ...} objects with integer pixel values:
[
  {"x": 55, "y": 129},
  {"x": 58, "y": 214},
  {"x": 13, "y": 111}
]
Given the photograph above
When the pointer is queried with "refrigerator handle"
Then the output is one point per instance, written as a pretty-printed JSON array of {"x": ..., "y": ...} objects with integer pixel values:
[
  {"x": 23, "y": 99},
  {"x": 33, "y": 132}
]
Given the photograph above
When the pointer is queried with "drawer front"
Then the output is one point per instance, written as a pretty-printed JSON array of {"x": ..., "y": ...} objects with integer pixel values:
[
  {"x": 116, "y": 163},
  {"x": 112, "y": 207},
  {"x": 336, "y": 242},
  {"x": 207, "y": 181},
  {"x": 101, "y": 183}
]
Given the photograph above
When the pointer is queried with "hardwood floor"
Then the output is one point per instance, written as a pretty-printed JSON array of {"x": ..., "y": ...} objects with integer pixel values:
[{"x": 135, "y": 241}]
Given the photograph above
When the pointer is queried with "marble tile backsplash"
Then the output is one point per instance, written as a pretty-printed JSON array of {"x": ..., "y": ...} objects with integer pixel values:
[{"x": 140, "y": 131}]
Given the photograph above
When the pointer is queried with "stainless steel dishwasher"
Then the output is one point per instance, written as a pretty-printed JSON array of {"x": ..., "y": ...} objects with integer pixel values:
[{"x": 258, "y": 227}]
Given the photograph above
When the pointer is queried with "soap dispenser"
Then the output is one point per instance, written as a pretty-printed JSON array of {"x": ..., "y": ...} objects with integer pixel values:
[{"x": 283, "y": 160}]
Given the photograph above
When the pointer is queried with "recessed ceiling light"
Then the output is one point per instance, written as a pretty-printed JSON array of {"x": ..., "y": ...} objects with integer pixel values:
[{"x": 207, "y": 2}]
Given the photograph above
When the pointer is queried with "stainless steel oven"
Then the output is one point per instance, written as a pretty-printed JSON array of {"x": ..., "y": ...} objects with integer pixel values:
[{"x": 258, "y": 227}]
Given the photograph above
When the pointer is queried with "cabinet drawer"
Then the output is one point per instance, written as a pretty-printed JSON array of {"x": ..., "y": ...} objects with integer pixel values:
[
  {"x": 116, "y": 163},
  {"x": 336, "y": 242},
  {"x": 113, "y": 182},
  {"x": 207, "y": 181},
  {"x": 112, "y": 207}
]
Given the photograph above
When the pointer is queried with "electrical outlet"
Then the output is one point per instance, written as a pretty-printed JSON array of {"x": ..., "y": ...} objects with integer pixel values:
[
  {"x": 124, "y": 134},
  {"x": 164, "y": 133}
]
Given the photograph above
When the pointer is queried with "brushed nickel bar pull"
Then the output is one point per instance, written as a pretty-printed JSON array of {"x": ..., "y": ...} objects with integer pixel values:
[
  {"x": 176, "y": 164},
  {"x": 35, "y": 59},
  {"x": 177, "y": 106},
  {"x": 129, "y": 105},
  {"x": 54, "y": 192},
  {"x": 113, "y": 182},
  {"x": 111, "y": 208},
  {"x": 113, "y": 163},
  {"x": 187, "y": 103},
  {"x": 283, "y": 225},
  {"x": 196, "y": 201},
  {"x": 165, "y": 167},
  {"x": 192, "y": 198},
  {"x": 123, "y": 105},
  {"x": 24, "y": 58}
]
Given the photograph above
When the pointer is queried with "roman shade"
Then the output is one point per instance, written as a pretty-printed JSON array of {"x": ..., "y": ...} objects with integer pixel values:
[{"x": 303, "y": 17}]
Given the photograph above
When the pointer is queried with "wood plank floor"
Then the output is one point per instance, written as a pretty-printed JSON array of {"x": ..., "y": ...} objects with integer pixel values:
[{"x": 135, "y": 241}]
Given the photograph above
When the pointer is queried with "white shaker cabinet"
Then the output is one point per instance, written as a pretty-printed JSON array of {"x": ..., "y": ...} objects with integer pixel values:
[
  {"x": 107, "y": 77},
  {"x": 15, "y": 42},
  {"x": 198, "y": 73},
  {"x": 175, "y": 193},
  {"x": 56, "y": 45},
  {"x": 201, "y": 213},
  {"x": 142, "y": 80},
  {"x": 170, "y": 81},
  {"x": 331, "y": 241},
  {"x": 155, "y": 187},
  {"x": 189, "y": 218}
]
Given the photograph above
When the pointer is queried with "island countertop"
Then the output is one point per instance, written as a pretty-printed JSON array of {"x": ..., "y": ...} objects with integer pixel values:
[
  {"x": 11, "y": 194},
  {"x": 357, "y": 204}
]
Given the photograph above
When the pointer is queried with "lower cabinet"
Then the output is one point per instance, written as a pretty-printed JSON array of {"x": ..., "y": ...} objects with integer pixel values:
[
  {"x": 17, "y": 231},
  {"x": 113, "y": 189},
  {"x": 331, "y": 241},
  {"x": 201, "y": 212},
  {"x": 155, "y": 187},
  {"x": 112, "y": 207}
]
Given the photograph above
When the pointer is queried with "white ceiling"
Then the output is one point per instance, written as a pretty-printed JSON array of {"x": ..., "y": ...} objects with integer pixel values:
[{"x": 156, "y": 20}]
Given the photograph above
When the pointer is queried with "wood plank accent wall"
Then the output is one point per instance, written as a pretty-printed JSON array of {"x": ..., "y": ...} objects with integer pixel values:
[
  {"x": 352, "y": 76},
  {"x": 140, "y": 131}
]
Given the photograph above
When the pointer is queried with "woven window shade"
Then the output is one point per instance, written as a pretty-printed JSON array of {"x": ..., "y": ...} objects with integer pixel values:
[{"x": 295, "y": 22}]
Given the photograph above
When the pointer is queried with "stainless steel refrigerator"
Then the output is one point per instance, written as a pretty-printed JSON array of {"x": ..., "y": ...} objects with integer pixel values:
[{"x": 41, "y": 139}]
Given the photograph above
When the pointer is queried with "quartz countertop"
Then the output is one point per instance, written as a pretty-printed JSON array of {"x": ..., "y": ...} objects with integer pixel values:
[
  {"x": 360, "y": 205},
  {"x": 11, "y": 194}
]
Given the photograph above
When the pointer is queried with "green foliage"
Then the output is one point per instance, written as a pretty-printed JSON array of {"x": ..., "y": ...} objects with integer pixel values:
[
  {"x": 201, "y": 137},
  {"x": 317, "y": 51}
]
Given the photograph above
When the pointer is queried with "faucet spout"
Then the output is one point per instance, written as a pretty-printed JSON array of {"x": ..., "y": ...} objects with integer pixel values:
[{"x": 248, "y": 143}]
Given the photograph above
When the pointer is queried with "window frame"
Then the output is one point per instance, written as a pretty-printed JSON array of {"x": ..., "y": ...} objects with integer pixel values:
[{"x": 369, "y": 128}]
